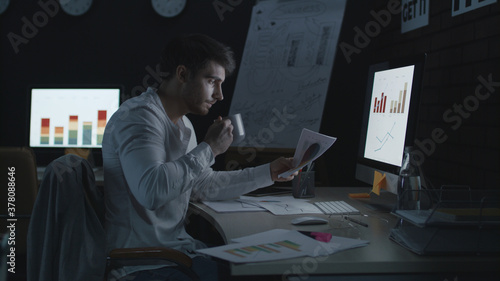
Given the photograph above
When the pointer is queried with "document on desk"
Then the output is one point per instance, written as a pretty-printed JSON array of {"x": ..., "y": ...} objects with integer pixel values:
[
  {"x": 226, "y": 206},
  {"x": 282, "y": 205},
  {"x": 336, "y": 243},
  {"x": 279, "y": 244},
  {"x": 278, "y": 205}
]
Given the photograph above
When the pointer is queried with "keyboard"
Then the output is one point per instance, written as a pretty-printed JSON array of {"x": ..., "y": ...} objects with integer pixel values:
[{"x": 336, "y": 208}]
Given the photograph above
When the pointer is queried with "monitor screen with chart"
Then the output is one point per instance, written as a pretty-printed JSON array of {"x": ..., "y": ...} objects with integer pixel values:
[
  {"x": 390, "y": 116},
  {"x": 70, "y": 117},
  {"x": 63, "y": 118}
]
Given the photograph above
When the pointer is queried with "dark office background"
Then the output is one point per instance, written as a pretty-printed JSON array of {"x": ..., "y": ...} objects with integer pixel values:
[{"x": 118, "y": 42}]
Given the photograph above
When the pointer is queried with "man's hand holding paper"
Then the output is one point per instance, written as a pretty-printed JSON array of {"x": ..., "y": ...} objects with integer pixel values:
[{"x": 311, "y": 145}]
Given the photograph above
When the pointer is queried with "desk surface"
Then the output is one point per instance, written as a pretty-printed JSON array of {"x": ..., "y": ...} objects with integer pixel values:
[{"x": 381, "y": 256}]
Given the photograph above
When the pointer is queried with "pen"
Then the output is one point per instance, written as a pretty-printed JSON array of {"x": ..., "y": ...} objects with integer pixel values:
[{"x": 356, "y": 221}]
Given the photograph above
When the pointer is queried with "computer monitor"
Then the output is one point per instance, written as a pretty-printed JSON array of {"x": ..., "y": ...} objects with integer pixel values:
[
  {"x": 390, "y": 116},
  {"x": 70, "y": 117}
]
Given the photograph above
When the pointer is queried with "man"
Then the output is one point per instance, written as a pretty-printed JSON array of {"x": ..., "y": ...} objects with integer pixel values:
[{"x": 153, "y": 166}]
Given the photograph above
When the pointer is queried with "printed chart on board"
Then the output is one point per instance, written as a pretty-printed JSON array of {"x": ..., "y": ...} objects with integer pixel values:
[{"x": 285, "y": 70}]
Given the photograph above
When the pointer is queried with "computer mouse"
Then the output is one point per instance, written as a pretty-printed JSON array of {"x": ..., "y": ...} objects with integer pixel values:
[{"x": 308, "y": 220}]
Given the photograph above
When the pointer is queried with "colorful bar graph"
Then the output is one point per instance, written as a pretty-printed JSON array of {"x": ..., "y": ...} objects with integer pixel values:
[
  {"x": 383, "y": 106},
  {"x": 235, "y": 252},
  {"x": 45, "y": 131},
  {"x": 289, "y": 244},
  {"x": 398, "y": 106},
  {"x": 73, "y": 129},
  {"x": 87, "y": 133},
  {"x": 404, "y": 99},
  {"x": 270, "y": 247},
  {"x": 399, "y": 103},
  {"x": 264, "y": 248},
  {"x": 58, "y": 135},
  {"x": 101, "y": 124},
  {"x": 379, "y": 106}
]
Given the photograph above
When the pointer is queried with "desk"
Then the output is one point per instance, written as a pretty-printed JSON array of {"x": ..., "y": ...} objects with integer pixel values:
[{"x": 381, "y": 256}]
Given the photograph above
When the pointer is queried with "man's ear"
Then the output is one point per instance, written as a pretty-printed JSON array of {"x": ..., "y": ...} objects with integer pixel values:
[{"x": 181, "y": 73}]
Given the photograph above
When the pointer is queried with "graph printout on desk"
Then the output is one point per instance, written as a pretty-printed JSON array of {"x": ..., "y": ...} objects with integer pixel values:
[{"x": 279, "y": 244}]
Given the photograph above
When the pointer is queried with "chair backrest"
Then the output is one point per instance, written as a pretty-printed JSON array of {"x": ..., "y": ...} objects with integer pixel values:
[
  {"x": 66, "y": 238},
  {"x": 4, "y": 251},
  {"x": 19, "y": 187}
]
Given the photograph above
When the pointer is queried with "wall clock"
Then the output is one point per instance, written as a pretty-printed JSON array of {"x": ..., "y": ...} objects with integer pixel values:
[
  {"x": 3, "y": 5},
  {"x": 75, "y": 7},
  {"x": 168, "y": 8}
]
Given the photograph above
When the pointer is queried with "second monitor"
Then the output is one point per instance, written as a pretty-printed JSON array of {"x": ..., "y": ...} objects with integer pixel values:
[{"x": 64, "y": 117}]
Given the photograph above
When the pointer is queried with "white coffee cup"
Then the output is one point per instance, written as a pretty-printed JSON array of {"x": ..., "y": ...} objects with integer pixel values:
[{"x": 238, "y": 128}]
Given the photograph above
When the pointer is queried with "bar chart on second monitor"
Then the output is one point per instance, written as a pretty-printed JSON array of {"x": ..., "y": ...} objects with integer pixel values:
[
  {"x": 71, "y": 119},
  {"x": 389, "y": 108}
]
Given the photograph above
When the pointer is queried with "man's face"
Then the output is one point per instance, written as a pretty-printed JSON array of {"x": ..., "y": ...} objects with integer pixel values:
[{"x": 203, "y": 90}]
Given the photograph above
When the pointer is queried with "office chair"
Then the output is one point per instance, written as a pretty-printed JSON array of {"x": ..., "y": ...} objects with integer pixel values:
[
  {"x": 18, "y": 188},
  {"x": 66, "y": 237},
  {"x": 4, "y": 251}
]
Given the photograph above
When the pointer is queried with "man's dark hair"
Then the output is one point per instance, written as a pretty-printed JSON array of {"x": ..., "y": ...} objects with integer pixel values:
[{"x": 195, "y": 51}]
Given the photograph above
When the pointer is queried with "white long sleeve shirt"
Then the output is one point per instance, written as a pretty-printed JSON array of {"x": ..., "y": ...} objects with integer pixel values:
[{"x": 152, "y": 168}]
